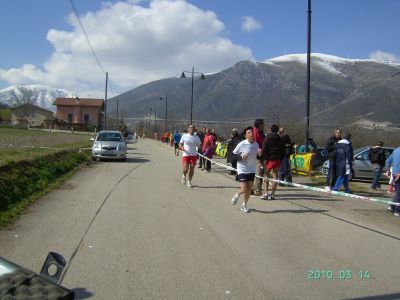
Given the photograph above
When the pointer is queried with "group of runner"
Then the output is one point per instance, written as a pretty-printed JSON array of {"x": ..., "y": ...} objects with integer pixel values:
[{"x": 246, "y": 153}]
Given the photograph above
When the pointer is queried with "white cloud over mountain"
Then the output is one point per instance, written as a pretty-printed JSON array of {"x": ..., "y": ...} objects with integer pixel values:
[
  {"x": 250, "y": 24},
  {"x": 383, "y": 56},
  {"x": 135, "y": 44}
]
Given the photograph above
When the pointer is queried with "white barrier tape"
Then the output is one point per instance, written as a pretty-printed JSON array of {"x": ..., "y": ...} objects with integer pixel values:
[
  {"x": 310, "y": 188},
  {"x": 41, "y": 147}
]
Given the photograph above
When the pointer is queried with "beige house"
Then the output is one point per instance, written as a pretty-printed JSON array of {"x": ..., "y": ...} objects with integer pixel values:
[
  {"x": 85, "y": 112},
  {"x": 29, "y": 115}
]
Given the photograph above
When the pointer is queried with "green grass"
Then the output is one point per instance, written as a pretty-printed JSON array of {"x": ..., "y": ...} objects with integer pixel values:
[
  {"x": 24, "y": 181},
  {"x": 21, "y": 144},
  {"x": 27, "y": 171}
]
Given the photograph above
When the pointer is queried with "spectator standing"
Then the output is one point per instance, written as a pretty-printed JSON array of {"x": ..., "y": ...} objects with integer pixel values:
[
  {"x": 285, "y": 170},
  {"x": 259, "y": 136},
  {"x": 344, "y": 163},
  {"x": 272, "y": 152},
  {"x": 377, "y": 158},
  {"x": 209, "y": 138},
  {"x": 393, "y": 161},
  {"x": 201, "y": 136},
  {"x": 177, "y": 137},
  {"x": 246, "y": 155},
  {"x": 330, "y": 147},
  {"x": 188, "y": 143},
  {"x": 232, "y": 143}
]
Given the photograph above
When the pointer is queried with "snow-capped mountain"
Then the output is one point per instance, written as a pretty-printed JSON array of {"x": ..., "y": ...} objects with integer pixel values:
[{"x": 40, "y": 95}]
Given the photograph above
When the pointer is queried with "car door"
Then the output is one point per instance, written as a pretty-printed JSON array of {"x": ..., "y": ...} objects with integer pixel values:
[{"x": 362, "y": 166}]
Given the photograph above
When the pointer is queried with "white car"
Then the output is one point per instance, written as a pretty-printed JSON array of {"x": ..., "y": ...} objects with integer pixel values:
[{"x": 109, "y": 145}]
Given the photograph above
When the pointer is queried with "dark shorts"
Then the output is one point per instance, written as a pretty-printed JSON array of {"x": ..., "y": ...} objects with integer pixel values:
[
  {"x": 176, "y": 145},
  {"x": 244, "y": 177}
]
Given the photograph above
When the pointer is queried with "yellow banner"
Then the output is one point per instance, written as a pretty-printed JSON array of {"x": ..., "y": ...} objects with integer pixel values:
[
  {"x": 221, "y": 150},
  {"x": 302, "y": 163}
]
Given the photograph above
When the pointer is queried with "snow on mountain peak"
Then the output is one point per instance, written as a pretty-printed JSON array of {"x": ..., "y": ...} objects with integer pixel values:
[{"x": 40, "y": 95}]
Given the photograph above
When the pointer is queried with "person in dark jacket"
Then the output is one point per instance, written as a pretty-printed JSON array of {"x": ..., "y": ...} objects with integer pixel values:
[
  {"x": 259, "y": 136},
  {"x": 344, "y": 163},
  {"x": 273, "y": 151},
  {"x": 377, "y": 158},
  {"x": 285, "y": 171},
  {"x": 232, "y": 143},
  {"x": 330, "y": 147}
]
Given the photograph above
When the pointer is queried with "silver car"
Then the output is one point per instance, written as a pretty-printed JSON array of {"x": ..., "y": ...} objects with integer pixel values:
[
  {"x": 109, "y": 145},
  {"x": 362, "y": 167}
]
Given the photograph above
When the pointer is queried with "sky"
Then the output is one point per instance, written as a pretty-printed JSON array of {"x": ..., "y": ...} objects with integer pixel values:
[{"x": 139, "y": 41}]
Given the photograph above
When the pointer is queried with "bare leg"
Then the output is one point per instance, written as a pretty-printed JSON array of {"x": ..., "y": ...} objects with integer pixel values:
[
  {"x": 275, "y": 177},
  {"x": 267, "y": 172},
  {"x": 191, "y": 171},
  {"x": 185, "y": 168},
  {"x": 248, "y": 186}
]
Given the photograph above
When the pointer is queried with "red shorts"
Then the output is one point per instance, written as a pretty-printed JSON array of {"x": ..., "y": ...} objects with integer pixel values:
[
  {"x": 272, "y": 164},
  {"x": 191, "y": 160}
]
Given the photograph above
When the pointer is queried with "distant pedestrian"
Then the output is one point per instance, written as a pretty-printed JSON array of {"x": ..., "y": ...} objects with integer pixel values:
[
  {"x": 177, "y": 138},
  {"x": 344, "y": 163},
  {"x": 188, "y": 144},
  {"x": 202, "y": 161},
  {"x": 377, "y": 158},
  {"x": 272, "y": 152},
  {"x": 208, "y": 154},
  {"x": 330, "y": 147},
  {"x": 209, "y": 138},
  {"x": 393, "y": 161},
  {"x": 259, "y": 136},
  {"x": 285, "y": 170},
  {"x": 232, "y": 143},
  {"x": 246, "y": 155}
]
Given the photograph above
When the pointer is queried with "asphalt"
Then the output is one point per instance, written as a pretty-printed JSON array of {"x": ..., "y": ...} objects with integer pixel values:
[{"x": 131, "y": 230}]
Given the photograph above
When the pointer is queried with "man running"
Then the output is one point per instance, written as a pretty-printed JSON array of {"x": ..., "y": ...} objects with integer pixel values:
[
  {"x": 177, "y": 137},
  {"x": 188, "y": 144}
]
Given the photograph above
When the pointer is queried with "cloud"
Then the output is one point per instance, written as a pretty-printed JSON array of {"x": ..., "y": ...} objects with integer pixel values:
[
  {"x": 135, "y": 44},
  {"x": 250, "y": 24},
  {"x": 383, "y": 56}
]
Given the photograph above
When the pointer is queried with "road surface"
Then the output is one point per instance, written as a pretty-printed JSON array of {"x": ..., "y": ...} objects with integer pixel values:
[{"x": 131, "y": 230}]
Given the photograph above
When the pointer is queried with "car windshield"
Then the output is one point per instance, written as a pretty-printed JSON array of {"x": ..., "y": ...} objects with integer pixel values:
[{"x": 110, "y": 137}]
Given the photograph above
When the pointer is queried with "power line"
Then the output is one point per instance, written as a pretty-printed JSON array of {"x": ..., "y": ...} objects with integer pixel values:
[
  {"x": 86, "y": 36},
  {"x": 356, "y": 95}
]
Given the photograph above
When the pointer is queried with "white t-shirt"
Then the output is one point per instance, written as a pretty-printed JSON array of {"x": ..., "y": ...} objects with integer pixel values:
[
  {"x": 248, "y": 165},
  {"x": 190, "y": 144}
]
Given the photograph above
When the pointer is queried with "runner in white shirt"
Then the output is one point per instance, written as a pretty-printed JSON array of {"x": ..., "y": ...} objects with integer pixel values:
[
  {"x": 246, "y": 152},
  {"x": 188, "y": 144}
]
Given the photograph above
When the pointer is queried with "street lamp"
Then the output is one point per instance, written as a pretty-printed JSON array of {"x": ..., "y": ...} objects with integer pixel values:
[
  {"x": 191, "y": 99},
  {"x": 166, "y": 110}
]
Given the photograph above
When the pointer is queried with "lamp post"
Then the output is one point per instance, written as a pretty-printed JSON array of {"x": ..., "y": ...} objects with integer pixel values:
[
  {"x": 191, "y": 98},
  {"x": 155, "y": 118},
  {"x": 166, "y": 110}
]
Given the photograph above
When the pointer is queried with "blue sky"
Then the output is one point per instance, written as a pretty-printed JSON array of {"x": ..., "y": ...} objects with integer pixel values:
[{"x": 141, "y": 41}]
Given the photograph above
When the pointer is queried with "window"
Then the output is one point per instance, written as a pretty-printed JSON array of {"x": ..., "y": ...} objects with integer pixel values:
[
  {"x": 86, "y": 119},
  {"x": 69, "y": 118}
]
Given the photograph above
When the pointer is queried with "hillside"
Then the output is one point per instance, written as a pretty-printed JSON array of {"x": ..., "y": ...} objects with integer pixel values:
[{"x": 347, "y": 89}]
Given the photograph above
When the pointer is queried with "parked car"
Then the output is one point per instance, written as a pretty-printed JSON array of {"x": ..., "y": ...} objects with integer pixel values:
[
  {"x": 109, "y": 145},
  {"x": 362, "y": 167},
  {"x": 321, "y": 154}
]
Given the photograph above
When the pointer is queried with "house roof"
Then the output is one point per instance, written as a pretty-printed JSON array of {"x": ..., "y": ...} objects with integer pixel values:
[
  {"x": 78, "y": 102},
  {"x": 35, "y": 106}
]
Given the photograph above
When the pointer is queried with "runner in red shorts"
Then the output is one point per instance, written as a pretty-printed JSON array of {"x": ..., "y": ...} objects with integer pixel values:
[
  {"x": 188, "y": 144},
  {"x": 273, "y": 151}
]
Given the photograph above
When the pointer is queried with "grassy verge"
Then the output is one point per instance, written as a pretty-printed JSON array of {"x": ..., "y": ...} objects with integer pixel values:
[{"x": 24, "y": 181}]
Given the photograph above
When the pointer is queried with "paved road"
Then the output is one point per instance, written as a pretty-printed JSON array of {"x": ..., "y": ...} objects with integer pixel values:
[{"x": 133, "y": 231}]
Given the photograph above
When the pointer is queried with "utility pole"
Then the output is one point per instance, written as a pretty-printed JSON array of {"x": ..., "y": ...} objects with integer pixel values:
[
  {"x": 308, "y": 73},
  {"x": 105, "y": 104}
]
